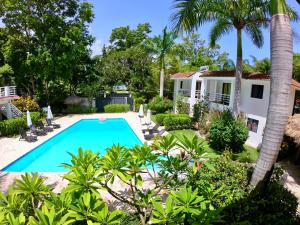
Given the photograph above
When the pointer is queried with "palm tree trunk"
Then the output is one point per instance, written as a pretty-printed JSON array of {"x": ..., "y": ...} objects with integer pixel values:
[
  {"x": 281, "y": 73},
  {"x": 161, "y": 83},
  {"x": 238, "y": 74}
]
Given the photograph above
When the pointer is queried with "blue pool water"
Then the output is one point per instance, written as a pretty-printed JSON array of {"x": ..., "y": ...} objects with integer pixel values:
[{"x": 90, "y": 134}]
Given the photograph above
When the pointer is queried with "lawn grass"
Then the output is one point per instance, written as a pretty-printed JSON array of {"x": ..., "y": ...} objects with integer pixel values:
[{"x": 249, "y": 154}]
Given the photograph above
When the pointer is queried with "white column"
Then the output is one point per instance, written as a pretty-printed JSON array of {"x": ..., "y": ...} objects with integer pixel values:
[
  {"x": 232, "y": 87},
  {"x": 6, "y": 91},
  {"x": 176, "y": 88},
  {"x": 203, "y": 88}
]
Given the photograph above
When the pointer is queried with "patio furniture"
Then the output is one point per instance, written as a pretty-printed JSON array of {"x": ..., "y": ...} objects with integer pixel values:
[
  {"x": 152, "y": 129},
  {"x": 26, "y": 137},
  {"x": 36, "y": 131},
  {"x": 45, "y": 128},
  {"x": 50, "y": 123},
  {"x": 150, "y": 136}
]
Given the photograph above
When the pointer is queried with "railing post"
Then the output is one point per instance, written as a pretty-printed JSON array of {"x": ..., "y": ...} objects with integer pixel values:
[{"x": 6, "y": 91}]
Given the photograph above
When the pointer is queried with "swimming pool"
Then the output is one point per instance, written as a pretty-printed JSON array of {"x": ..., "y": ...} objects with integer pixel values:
[{"x": 92, "y": 134}]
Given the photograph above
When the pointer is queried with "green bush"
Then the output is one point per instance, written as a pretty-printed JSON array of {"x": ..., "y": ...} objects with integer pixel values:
[
  {"x": 79, "y": 109},
  {"x": 160, "y": 105},
  {"x": 116, "y": 108},
  {"x": 178, "y": 123},
  {"x": 26, "y": 103},
  {"x": 137, "y": 102},
  {"x": 161, "y": 116},
  {"x": 227, "y": 133},
  {"x": 181, "y": 105},
  {"x": 12, "y": 126}
]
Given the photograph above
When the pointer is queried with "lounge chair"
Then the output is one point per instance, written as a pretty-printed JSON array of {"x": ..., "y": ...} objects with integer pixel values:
[
  {"x": 36, "y": 131},
  {"x": 152, "y": 129},
  {"x": 52, "y": 124},
  {"x": 149, "y": 136},
  {"x": 26, "y": 137},
  {"x": 45, "y": 128}
]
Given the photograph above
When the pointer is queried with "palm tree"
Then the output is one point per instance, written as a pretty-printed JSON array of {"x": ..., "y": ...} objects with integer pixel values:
[
  {"x": 281, "y": 73},
  {"x": 162, "y": 45},
  {"x": 227, "y": 15}
]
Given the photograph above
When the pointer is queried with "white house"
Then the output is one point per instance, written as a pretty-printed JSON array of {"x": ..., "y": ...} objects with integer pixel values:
[
  {"x": 7, "y": 94},
  {"x": 218, "y": 88}
]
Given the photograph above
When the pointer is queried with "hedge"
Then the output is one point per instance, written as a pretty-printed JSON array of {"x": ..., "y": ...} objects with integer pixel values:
[
  {"x": 178, "y": 123},
  {"x": 160, "y": 117},
  {"x": 12, "y": 126},
  {"x": 116, "y": 108}
]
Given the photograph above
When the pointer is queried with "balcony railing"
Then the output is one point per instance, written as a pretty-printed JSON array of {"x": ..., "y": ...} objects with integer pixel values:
[
  {"x": 219, "y": 98},
  {"x": 7, "y": 91},
  {"x": 184, "y": 92}
]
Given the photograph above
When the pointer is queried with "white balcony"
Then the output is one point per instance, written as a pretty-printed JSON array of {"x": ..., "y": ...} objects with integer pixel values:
[
  {"x": 184, "y": 92},
  {"x": 219, "y": 98},
  {"x": 8, "y": 91}
]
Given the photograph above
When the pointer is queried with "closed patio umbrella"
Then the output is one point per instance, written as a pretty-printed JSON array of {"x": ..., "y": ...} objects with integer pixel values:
[
  {"x": 49, "y": 113},
  {"x": 141, "y": 111},
  {"x": 148, "y": 118},
  {"x": 29, "y": 122}
]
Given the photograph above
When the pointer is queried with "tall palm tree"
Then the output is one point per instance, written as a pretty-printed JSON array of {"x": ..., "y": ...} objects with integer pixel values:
[
  {"x": 227, "y": 15},
  {"x": 162, "y": 45},
  {"x": 281, "y": 73}
]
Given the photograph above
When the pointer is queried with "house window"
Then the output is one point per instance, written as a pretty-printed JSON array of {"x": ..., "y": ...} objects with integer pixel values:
[
  {"x": 252, "y": 125},
  {"x": 181, "y": 84},
  {"x": 257, "y": 91}
]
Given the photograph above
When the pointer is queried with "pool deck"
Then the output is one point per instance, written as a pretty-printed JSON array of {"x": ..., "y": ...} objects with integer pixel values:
[{"x": 12, "y": 149}]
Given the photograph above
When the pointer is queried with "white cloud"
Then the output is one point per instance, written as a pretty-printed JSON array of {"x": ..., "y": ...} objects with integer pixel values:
[{"x": 97, "y": 47}]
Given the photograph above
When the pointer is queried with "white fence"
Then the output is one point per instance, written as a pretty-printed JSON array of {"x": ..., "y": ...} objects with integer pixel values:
[{"x": 7, "y": 91}]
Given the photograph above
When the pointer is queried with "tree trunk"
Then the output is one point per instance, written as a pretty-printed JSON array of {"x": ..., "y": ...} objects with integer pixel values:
[
  {"x": 161, "y": 83},
  {"x": 278, "y": 111},
  {"x": 238, "y": 74}
]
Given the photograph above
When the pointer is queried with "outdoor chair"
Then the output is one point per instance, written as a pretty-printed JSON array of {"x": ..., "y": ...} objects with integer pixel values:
[
  {"x": 26, "y": 137},
  {"x": 50, "y": 123},
  {"x": 36, "y": 131},
  {"x": 152, "y": 129},
  {"x": 45, "y": 128},
  {"x": 150, "y": 136}
]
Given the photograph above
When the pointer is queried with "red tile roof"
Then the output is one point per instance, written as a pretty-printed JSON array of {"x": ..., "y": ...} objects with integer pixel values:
[
  {"x": 183, "y": 75},
  {"x": 247, "y": 76}
]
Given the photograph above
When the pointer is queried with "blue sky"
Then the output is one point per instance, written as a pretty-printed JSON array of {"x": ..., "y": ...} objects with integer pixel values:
[{"x": 110, "y": 14}]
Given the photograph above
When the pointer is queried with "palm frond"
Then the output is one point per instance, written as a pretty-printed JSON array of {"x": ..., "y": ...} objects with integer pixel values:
[
  {"x": 255, "y": 34},
  {"x": 220, "y": 28},
  {"x": 190, "y": 14}
]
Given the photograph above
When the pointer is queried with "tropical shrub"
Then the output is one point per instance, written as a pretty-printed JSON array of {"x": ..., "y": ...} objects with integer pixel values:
[
  {"x": 80, "y": 109},
  {"x": 26, "y": 103},
  {"x": 199, "y": 110},
  {"x": 12, "y": 126},
  {"x": 161, "y": 117},
  {"x": 182, "y": 107},
  {"x": 137, "y": 102},
  {"x": 160, "y": 105},
  {"x": 178, "y": 123},
  {"x": 228, "y": 133},
  {"x": 116, "y": 108}
]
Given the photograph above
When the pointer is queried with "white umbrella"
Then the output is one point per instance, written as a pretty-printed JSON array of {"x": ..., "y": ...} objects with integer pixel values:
[
  {"x": 29, "y": 122},
  {"x": 141, "y": 111},
  {"x": 49, "y": 113},
  {"x": 148, "y": 119}
]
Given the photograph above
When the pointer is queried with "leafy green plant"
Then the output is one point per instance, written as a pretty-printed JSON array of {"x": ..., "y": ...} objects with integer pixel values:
[
  {"x": 12, "y": 126},
  {"x": 116, "y": 108},
  {"x": 26, "y": 103},
  {"x": 182, "y": 107},
  {"x": 161, "y": 117},
  {"x": 228, "y": 133},
  {"x": 160, "y": 105},
  {"x": 177, "y": 123}
]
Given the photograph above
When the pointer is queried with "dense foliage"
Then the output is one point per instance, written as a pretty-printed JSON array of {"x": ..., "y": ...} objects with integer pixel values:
[
  {"x": 116, "y": 108},
  {"x": 26, "y": 103},
  {"x": 181, "y": 105},
  {"x": 12, "y": 126},
  {"x": 160, "y": 105},
  {"x": 161, "y": 117},
  {"x": 178, "y": 123},
  {"x": 152, "y": 188},
  {"x": 228, "y": 133}
]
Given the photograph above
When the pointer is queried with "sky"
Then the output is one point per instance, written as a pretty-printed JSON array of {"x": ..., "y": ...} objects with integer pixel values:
[{"x": 110, "y": 14}]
